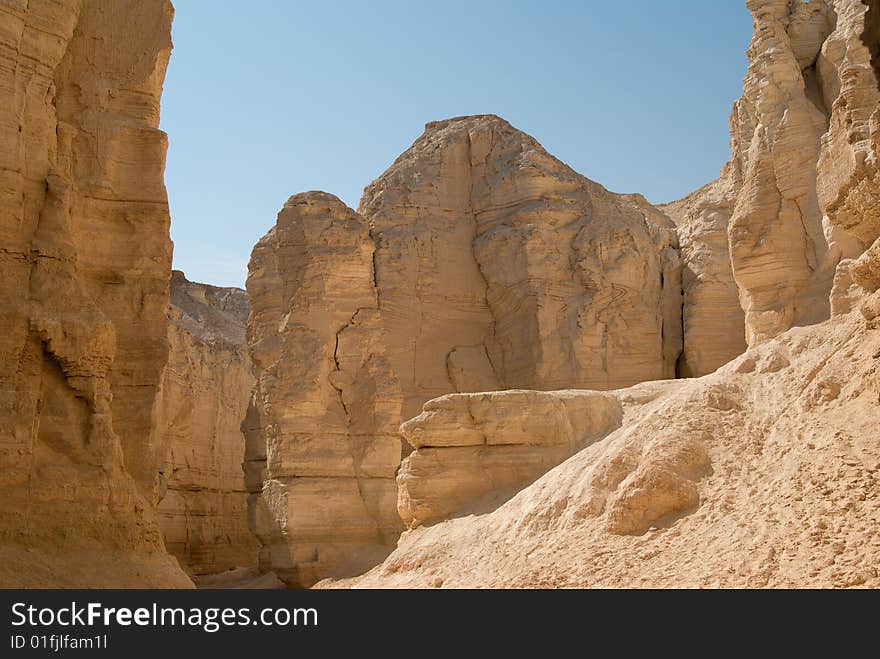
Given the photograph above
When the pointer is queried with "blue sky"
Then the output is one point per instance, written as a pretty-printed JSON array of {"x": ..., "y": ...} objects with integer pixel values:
[{"x": 264, "y": 99}]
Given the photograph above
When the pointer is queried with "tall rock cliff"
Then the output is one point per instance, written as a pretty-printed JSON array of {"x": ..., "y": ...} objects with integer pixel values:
[
  {"x": 765, "y": 472},
  {"x": 477, "y": 262},
  {"x": 713, "y": 320},
  {"x": 499, "y": 267},
  {"x": 204, "y": 396},
  {"x": 795, "y": 199},
  {"x": 782, "y": 259},
  {"x": 323, "y": 445},
  {"x": 85, "y": 259}
]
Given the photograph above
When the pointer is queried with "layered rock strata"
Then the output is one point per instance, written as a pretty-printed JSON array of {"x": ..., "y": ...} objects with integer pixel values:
[
  {"x": 474, "y": 450},
  {"x": 85, "y": 259},
  {"x": 499, "y": 267},
  {"x": 327, "y": 404},
  {"x": 477, "y": 262},
  {"x": 763, "y": 474},
  {"x": 795, "y": 199},
  {"x": 204, "y": 396},
  {"x": 712, "y": 318},
  {"x": 783, "y": 260}
]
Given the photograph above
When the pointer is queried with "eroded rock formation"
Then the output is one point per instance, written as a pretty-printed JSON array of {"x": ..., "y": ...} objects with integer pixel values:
[
  {"x": 499, "y": 267},
  {"x": 477, "y": 262},
  {"x": 782, "y": 259},
  {"x": 85, "y": 259},
  {"x": 322, "y": 435},
  {"x": 763, "y": 473},
  {"x": 203, "y": 399},
  {"x": 712, "y": 318},
  {"x": 796, "y": 198},
  {"x": 473, "y": 450}
]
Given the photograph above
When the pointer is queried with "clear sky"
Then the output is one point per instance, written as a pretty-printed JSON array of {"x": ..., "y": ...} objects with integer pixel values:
[{"x": 267, "y": 98}]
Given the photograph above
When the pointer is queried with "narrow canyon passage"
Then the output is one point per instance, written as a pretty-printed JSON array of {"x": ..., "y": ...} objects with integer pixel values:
[{"x": 495, "y": 372}]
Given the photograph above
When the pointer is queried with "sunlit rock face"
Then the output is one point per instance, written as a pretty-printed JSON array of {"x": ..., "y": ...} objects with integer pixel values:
[
  {"x": 713, "y": 322},
  {"x": 796, "y": 198},
  {"x": 499, "y": 267},
  {"x": 322, "y": 434},
  {"x": 763, "y": 472},
  {"x": 206, "y": 387},
  {"x": 84, "y": 269},
  {"x": 477, "y": 262}
]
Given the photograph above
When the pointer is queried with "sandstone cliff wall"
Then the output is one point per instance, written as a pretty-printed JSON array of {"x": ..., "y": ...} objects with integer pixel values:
[
  {"x": 322, "y": 435},
  {"x": 475, "y": 450},
  {"x": 85, "y": 259},
  {"x": 477, "y": 262},
  {"x": 796, "y": 198},
  {"x": 764, "y": 473},
  {"x": 499, "y": 267},
  {"x": 712, "y": 319},
  {"x": 206, "y": 387}
]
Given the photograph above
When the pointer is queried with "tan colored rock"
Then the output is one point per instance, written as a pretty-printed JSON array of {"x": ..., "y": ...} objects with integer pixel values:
[
  {"x": 760, "y": 475},
  {"x": 498, "y": 266},
  {"x": 326, "y": 405},
  {"x": 85, "y": 260},
  {"x": 866, "y": 269},
  {"x": 848, "y": 165},
  {"x": 204, "y": 396},
  {"x": 475, "y": 450},
  {"x": 865, "y": 274},
  {"x": 713, "y": 320},
  {"x": 796, "y": 196},
  {"x": 782, "y": 260}
]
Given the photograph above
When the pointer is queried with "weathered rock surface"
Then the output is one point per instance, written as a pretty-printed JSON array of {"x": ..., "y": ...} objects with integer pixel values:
[
  {"x": 85, "y": 259},
  {"x": 848, "y": 176},
  {"x": 474, "y": 450},
  {"x": 782, "y": 259},
  {"x": 796, "y": 198},
  {"x": 763, "y": 474},
  {"x": 498, "y": 267},
  {"x": 712, "y": 318},
  {"x": 477, "y": 262},
  {"x": 327, "y": 405},
  {"x": 206, "y": 388},
  {"x": 848, "y": 167}
]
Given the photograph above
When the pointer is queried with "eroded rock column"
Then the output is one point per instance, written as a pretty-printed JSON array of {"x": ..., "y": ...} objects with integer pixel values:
[
  {"x": 327, "y": 404},
  {"x": 783, "y": 259}
]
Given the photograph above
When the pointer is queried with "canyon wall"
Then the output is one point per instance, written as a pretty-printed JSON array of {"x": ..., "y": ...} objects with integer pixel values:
[
  {"x": 322, "y": 435},
  {"x": 499, "y": 267},
  {"x": 203, "y": 399},
  {"x": 763, "y": 473},
  {"x": 85, "y": 261},
  {"x": 712, "y": 319},
  {"x": 795, "y": 199},
  {"x": 477, "y": 262}
]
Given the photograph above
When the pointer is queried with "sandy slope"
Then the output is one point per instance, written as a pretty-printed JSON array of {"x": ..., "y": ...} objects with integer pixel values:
[{"x": 763, "y": 474}]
